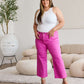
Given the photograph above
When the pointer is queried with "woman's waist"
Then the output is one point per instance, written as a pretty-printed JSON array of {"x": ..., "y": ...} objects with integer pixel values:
[
  {"x": 47, "y": 25},
  {"x": 45, "y": 28},
  {"x": 44, "y": 32}
]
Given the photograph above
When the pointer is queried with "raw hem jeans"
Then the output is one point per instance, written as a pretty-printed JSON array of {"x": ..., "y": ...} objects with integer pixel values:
[{"x": 53, "y": 45}]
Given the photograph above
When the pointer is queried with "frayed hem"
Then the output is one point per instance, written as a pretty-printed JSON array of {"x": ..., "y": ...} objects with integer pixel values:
[
  {"x": 60, "y": 77},
  {"x": 42, "y": 76}
]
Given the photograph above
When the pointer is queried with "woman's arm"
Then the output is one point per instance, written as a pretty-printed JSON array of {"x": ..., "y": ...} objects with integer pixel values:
[
  {"x": 35, "y": 25},
  {"x": 60, "y": 18}
]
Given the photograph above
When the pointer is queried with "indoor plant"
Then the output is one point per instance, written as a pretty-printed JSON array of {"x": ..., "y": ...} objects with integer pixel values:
[{"x": 9, "y": 42}]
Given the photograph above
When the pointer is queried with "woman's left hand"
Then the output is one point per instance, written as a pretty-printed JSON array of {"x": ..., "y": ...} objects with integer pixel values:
[{"x": 51, "y": 32}]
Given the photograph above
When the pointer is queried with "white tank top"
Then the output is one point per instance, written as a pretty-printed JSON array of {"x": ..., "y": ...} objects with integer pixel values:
[{"x": 49, "y": 20}]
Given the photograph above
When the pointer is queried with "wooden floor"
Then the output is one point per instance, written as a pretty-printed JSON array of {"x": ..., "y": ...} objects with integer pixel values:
[{"x": 7, "y": 65}]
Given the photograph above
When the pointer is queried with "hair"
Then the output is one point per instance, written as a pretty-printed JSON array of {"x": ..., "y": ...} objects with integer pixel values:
[{"x": 42, "y": 10}]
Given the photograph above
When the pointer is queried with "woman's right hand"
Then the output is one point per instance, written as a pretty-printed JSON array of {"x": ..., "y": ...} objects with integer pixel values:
[{"x": 37, "y": 34}]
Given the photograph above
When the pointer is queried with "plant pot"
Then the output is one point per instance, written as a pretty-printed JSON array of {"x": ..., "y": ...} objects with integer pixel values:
[{"x": 9, "y": 45}]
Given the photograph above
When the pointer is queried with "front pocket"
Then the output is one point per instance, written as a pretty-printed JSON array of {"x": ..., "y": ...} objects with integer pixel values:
[
  {"x": 40, "y": 36},
  {"x": 54, "y": 36}
]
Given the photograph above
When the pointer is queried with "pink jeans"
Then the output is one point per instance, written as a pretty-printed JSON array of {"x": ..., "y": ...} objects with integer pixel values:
[{"x": 53, "y": 45}]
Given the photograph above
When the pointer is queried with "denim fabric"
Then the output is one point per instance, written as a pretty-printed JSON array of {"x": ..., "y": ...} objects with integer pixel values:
[{"x": 53, "y": 45}]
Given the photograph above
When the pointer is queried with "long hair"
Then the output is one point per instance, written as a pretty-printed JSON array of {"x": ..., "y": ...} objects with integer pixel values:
[{"x": 42, "y": 10}]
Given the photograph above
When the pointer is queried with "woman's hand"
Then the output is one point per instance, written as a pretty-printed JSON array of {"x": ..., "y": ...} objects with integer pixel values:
[
  {"x": 51, "y": 32},
  {"x": 37, "y": 34}
]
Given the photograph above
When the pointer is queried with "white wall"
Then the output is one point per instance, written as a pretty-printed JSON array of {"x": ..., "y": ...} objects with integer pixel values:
[
  {"x": 73, "y": 12},
  {"x": 73, "y": 19}
]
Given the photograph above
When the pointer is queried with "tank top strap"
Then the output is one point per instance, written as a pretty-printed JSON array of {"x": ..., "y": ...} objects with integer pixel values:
[{"x": 51, "y": 9}]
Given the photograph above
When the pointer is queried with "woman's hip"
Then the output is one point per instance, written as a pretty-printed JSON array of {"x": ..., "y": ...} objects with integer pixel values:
[{"x": 45, "y": 36}]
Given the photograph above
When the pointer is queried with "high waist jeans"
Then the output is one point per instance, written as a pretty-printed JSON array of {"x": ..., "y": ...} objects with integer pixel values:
[{"x": 53, "y": 45}]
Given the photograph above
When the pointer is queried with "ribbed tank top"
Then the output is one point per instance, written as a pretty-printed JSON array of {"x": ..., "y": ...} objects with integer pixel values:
[{"x": 49, "y": 20}]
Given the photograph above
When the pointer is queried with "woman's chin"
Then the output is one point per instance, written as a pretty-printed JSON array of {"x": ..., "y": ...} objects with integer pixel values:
[{"x": 45, "y": 5}]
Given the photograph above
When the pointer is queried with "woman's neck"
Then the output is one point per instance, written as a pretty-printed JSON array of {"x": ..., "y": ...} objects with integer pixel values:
[{"x": 46, "y": 8}]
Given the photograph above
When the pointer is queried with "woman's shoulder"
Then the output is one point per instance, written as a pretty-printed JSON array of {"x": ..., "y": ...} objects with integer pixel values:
[
  {"x": 55, "y": 9},
  {"x": 37, "y": 10}
]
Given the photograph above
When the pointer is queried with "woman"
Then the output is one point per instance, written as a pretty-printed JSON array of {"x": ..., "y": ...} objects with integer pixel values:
[{"x": 45, "y": 30}]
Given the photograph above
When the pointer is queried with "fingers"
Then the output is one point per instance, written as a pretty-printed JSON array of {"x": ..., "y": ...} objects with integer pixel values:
[
  {"x": 50, "y": 34},
  {"x": 37, "y": 35}
]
